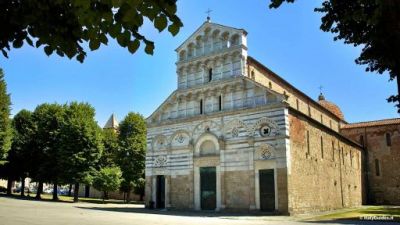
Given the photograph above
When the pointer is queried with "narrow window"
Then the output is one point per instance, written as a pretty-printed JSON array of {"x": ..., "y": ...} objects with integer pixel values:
[
  {"x": 270, "y": 85},
  {"x": 388, "y": 139},
  {"x": 210, "y": 75},
  {"x": 342, "y": 156},
  {"x": 322, "y": 118},
  {"x": 362, "y": 140},
  {"x": 220, "y": 103},
  {"x": 252, "y": 74},
  {"x": 333, "y": 150},
  {"x": 308, "y": 143},
  {"x": 322, "y": 147},
  {"x": 297, "y": 104},
  {"x": 309, "y": 110},
  {"x": 351, "y": 159},
  {"x": 330, "y": 124},
  {"x": 201, "y": 106},
  {"x": 377, "y": 169}
]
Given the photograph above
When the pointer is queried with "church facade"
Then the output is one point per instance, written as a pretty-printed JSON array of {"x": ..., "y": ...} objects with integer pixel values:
[{"x": 236, "y": 136}]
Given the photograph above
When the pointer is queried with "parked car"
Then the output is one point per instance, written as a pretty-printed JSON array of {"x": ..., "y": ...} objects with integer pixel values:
[{"x": 3, "y": 189}]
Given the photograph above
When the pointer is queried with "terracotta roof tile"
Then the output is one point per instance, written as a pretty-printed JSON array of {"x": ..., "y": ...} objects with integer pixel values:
[{"x": 372, "y": 123}]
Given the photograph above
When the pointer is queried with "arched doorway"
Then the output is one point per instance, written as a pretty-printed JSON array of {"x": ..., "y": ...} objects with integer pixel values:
[{"x": 207, "y": 173}]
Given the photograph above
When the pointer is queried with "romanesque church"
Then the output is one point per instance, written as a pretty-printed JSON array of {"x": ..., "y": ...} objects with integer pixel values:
[{"x": 236, "y": 136}]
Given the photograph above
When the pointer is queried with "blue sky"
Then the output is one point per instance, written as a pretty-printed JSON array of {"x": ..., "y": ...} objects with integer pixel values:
[{"x": 287, "y": 40}]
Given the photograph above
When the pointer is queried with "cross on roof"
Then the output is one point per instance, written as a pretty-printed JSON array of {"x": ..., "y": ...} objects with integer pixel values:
[
  {"x": 320, "y": 89},
  {"x": 208, "y": 14}
]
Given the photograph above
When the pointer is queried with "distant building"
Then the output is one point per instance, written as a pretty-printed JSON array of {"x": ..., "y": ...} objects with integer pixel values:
[{"x": 112, "y": 123}]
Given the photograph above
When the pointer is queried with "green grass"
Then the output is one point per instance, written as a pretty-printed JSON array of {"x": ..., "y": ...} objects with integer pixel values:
[
  {"x": 357, "y": 214},
  {"x": 70, "y": 199}
]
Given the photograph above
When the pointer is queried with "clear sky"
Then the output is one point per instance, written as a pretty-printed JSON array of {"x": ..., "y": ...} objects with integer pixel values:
[{"x": 287, "y": 40}]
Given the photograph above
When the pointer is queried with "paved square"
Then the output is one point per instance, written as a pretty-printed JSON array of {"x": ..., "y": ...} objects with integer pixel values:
[{"x": 23, "y": 212}]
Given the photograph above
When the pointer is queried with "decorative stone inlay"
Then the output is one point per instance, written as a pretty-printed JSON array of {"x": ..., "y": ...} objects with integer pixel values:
[
  {"x": 235, "y": 132},
  {"x": 160, "y": 161},
  {"x": 263, "y": 124},
  {"x": 180, "y": 138},
  {"x": 265, "y": 131},
  {"x": 265, "y": 152}
]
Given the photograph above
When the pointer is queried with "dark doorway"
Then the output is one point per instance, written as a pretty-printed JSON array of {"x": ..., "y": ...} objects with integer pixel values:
[
  {"x": 160, "y": 192},
  {"x": 208, "y": 191},
  {"x": 267, "y": 190},
  {"x": 87, "y": 191}
]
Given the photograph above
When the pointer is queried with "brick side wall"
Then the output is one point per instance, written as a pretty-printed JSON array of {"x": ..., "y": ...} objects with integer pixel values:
[
  {"x": 383, "y": 180},
  {"x": 324, "y": 179}
]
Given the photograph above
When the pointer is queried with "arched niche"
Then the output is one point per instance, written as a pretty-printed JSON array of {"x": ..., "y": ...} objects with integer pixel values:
[
  {"x": 180, "y": 138},
  {"x": 160, "y": 142},
  {"x": 207, "y": 145}
]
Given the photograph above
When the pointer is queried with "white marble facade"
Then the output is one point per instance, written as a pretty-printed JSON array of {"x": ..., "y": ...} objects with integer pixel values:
[{"x": 216, "y": 117}]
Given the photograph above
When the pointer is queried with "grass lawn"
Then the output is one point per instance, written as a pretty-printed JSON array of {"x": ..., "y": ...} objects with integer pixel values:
[
  {"x": 62, "y": 198},
  {"x": 362, "y": 212}
]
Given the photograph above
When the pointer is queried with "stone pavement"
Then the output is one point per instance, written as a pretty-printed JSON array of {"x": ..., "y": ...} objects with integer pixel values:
[{"x": 22, "y": 212}]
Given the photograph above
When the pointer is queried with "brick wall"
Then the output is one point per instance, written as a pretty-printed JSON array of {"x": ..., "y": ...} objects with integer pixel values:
[
  {"x": 321, "y": 177},
  {"x": 383, "y": 161}
]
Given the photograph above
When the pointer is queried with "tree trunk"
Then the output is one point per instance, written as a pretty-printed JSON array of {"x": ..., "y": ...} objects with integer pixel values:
[
  {"x": 39, "y": 190},
  {"x": 70, "y": 190},
  {"x": 141, "y": 196},
  {"x": 76, "y": 192},
  {"x": 128, "y": 196},
  {"x": 22, "y": 186},
  {"x": 9, "y": 186},
  {"x": 55, "y": 191}
]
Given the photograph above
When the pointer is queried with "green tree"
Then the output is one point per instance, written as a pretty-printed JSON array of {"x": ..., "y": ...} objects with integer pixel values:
[
  {"x": 131, "y": 155},
  {"x": 110, "y": 143},
  {"x": 76, "y": 22},
  {"x": 49, "y": 119},
  {"x": 81, "y": 144},
  {"x": 19, "y": 157},
  {"x": 375, "y": 25},
  {"x": 107, "y": 179},
  {"x": 5, "y": 121}
]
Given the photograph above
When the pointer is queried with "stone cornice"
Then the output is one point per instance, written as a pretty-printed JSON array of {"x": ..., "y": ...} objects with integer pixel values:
[{"x": 217, "y": 114}]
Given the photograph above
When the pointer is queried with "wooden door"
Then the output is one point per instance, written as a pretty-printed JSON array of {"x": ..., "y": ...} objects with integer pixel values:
[
  {"x": 208, "y": 191},
  {"x": 267, "y": 190}
]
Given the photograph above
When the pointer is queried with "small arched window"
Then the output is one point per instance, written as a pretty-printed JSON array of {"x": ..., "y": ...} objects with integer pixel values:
[
  {"x": 220, "y": 103},
  {"x": 201, "y": 106},
  {"x": 210, "y": 73},
  {"x": 377, "y": 168},
  {"x": 362, "y": 140},
  {"x": 388, "y": 139}
]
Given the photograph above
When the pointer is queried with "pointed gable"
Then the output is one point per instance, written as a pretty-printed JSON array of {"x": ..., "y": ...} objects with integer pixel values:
[
  {"x": 209, "y": 34},
  {"x": 112, "y": 122}
]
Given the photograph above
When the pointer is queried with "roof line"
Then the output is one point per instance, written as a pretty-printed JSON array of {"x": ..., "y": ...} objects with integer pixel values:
[
  {"x": 240, "y": 29},
  {"x": 257, "y": 63},
  {"x": 373, "y": 123}
]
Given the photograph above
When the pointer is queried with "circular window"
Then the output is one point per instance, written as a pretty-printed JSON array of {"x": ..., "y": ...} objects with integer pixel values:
[{"x": 265, "y": 130}]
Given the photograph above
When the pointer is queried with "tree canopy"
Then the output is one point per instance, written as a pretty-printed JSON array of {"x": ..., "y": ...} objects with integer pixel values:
[
  {"x": 107, "y": 179},
  {"x": 5, "y": 121},
  {"x": 375, "y": 25},
  {"x": 131, "y": 155},
  {"x": 81, "y": 144},
  {"x": 65, "y": 26}
]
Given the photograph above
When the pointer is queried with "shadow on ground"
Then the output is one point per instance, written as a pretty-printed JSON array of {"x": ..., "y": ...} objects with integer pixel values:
[
  {"x": 175, "y": 212},
  {"x": 69, "y": 200}
]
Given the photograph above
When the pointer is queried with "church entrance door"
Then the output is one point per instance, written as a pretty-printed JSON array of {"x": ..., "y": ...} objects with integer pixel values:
[
  {"x": 267, "y": 190},
  {"x": 160, "y": 192},
  {"x": 208, "y": 191}
]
